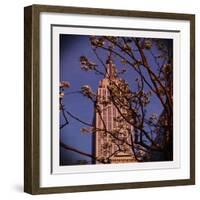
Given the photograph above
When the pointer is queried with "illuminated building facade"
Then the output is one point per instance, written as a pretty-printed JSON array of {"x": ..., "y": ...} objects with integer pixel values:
[{"x": 112, "y": 137}]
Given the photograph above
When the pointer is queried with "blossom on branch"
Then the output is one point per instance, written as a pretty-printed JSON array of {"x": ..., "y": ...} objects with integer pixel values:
[
  {"x": 147, "y": 44},
  {"x": 64, "y": 84},
  {"x": 87, "y": 65},
  {"x": 86, "y": 90},
  {"x": 97, "y": 41}
]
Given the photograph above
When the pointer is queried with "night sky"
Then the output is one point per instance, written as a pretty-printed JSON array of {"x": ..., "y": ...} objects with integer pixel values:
[{"x": 71, "y": 48}]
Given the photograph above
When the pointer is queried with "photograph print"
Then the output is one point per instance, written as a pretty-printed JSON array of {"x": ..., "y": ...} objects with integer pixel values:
[{"x": 115, "y": 99}]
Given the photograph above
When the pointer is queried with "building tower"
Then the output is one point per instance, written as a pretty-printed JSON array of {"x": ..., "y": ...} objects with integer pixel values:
[{"x": 106, "y": 145}]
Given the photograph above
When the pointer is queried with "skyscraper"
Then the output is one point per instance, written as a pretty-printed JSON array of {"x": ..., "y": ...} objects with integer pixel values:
[{"x": 114, "y": 136}]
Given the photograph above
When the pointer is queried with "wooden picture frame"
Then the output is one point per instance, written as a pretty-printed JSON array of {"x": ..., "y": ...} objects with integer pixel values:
[{"x": 32, "y": 93}]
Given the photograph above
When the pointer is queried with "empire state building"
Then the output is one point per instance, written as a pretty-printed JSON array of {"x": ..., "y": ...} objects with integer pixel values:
[{"x": 114, "y": 136}]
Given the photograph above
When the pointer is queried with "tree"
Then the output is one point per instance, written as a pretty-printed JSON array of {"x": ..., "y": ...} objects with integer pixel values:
[{"x": 151, "y": 63}]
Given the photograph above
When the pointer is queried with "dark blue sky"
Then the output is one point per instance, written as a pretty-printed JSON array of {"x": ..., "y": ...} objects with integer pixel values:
[{"x": 71, "y": 48}]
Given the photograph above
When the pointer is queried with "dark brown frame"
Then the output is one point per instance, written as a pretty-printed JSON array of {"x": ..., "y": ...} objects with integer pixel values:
[{"x": 32, "y": 105}]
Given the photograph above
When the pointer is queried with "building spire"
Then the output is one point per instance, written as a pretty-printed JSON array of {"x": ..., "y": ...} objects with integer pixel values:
[{"x": 111, "y": 69}]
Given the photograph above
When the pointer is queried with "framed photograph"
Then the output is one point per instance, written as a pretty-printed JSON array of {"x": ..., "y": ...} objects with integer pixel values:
[{"x": 109, "y": 99}]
